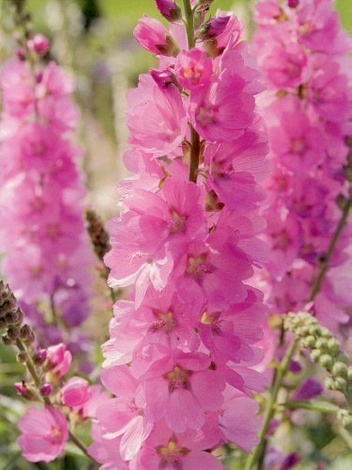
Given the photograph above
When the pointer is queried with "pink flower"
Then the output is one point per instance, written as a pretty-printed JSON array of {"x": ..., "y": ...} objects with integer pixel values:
[
  {"x": 169, "y": 10},
  {"x": 183, "y": 382},
  {"x": 75, "y": 392},
  {"x": 39, "y": 44},
  {"x": 186, "y": 450},
  {"x": 193, "y": 68},
  {"x": 157, "y": 118},
  {"x": 60, "y": 359},
  {"x": 44, "y": 434},
  {"x": 154, "y": 37}
]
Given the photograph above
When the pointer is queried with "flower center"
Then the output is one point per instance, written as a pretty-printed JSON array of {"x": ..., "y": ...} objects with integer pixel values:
[
  {"x": 171, "y": 454},
  {"x": 178, "y": 378}
]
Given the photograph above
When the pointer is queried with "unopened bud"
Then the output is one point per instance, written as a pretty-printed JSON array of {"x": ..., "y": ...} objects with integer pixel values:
[
  {"x": 315, "y": 354},
  {"x": 46, "y": 389},
  {"x": 22, "y": 357},
  {"x": 340, "y": 384},
  {"x": 326, "y": 361},
  {"x": 309, "y": 342},
  {"x": 7, "y": 341},
  {"x": 333, "y": 346},
  {"x": 25, "y": 332},
  {"x": 340, "y": 369},
  {"x": 330, "y": 383},
  {"x": 169, "y": 10},
  {"x": 13, "y": 332},
  {"x": 321, "y": 344}
]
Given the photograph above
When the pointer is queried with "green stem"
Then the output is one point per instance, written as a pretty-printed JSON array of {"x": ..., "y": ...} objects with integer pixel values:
[
  {"x": 195, "y": 139},
  {"x": 318, "y": 406},
  {"x": 325, "y": 262},
  {"x": 283, "y": 368},
  {"x": 281, "y": 372},
  {"x": 189, "y": 22},
  {"x": 81, "y": 446}
]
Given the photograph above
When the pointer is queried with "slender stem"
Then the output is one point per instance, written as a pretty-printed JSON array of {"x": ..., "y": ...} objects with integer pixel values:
[
  {"x": 281, "y": 372},
  {"x": 189, "y": 22},
  {"x": 195, "y": 139},
  {"x": 325, "y": 262},
  {"x": 283, "y": 368},
  {"x": 80, "y": 444}
]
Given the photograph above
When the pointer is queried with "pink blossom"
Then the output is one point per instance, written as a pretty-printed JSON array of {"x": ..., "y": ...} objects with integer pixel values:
[
  {"x": 60, "y": 359},
  {"x": 154, "y": 37},
  {"x": 39, "y": 43},
  {"x": 193, "y": 68},
  {"x": 75, "y": 392},
  {"x": 44, "y": 434}
]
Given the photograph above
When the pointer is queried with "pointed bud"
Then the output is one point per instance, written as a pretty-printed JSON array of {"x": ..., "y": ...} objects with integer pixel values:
[
  {"x": 169, "y": 10},
  {"x": 39, "y": 44},
  {"x": 45, "y": 389},
  {"x": 153, "y": 36}
]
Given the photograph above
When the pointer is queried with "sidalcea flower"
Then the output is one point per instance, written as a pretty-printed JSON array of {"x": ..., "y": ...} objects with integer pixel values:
[
  {"x": 75, "y": 392},
  {"x": 303, "y": 52},
  {"x": 169, "y": 10},
  {"x": 60, "y": 359},
  {"x": 153, "y": 36},
  {"x": 44, "y": 434},
  {"x": 41, "y": 196},
  {"x": 184, "y": 344}
]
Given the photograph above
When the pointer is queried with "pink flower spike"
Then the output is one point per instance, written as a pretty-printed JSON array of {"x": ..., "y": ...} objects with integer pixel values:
[
  {"x": 44, "y": 434},
  {"x": 75, "y": 392}
]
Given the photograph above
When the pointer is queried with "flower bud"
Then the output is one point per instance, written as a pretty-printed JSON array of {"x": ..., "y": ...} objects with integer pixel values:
[
  {"x": 22, "y": 357},
  {"x": 340, "y": 384},
  {"x": 75, "y": 392},
  {"x": 292, "y": 3},
  {"x": 333, "y": 346},
  {"x": 169, "y": 10},
  {"x": 13, "y": 332},
  {"x": 309, "y": 342},
  {"x": 321, "y": 344},
  {"x": 7, "y": 341},
  {"x": 153, "y": 36},
  {"x": 326, "y": 361},
  {"x": 340, "y": 369},
  {"x": 46, "y": 389},
  {"x": 315, "y": 354},
  {"x": 39, "y": 44},
  {"x": 25, "y": 332},
  {"x": 40, "y": 356},
  {"x": 163, "y": 78},
  {"x": 329, "y": 383}
]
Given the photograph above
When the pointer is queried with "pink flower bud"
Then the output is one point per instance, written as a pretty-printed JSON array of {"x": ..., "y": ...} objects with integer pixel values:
[
  {"x": 46, "y": 389},
  {"x": 21, "y": 387},
  {"x": 154, "y": 37},
  {"x": 60, "y": 359},
  {"x": 293, "y": 3},
  {"x": 20, "y": 54},
  {"x": 169, "y": 10},
  {"x": 193, "y": 68},
  {"x": 162, "y": 78},
  {"x": 75, "y": 392},
  {"x": 214, "y": 27},
  {"x": 39, "y": 44}
]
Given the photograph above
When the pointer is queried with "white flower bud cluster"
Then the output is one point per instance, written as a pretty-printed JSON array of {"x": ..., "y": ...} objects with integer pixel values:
[{"x": 324, "y": 350}]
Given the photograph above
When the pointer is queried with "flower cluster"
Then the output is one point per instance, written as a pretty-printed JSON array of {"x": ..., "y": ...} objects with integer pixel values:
[
  {"x": 42, "y": 232},
  {"x": 302, "y": 51},
  {"x": 183, "y": 348}
]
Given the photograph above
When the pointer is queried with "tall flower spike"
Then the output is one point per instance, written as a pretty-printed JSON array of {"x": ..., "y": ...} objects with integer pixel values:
[
  {"x": 303, "y": 52},
  {"x": 47, "y": 256},
  {"x": 183, "y": 349}
]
